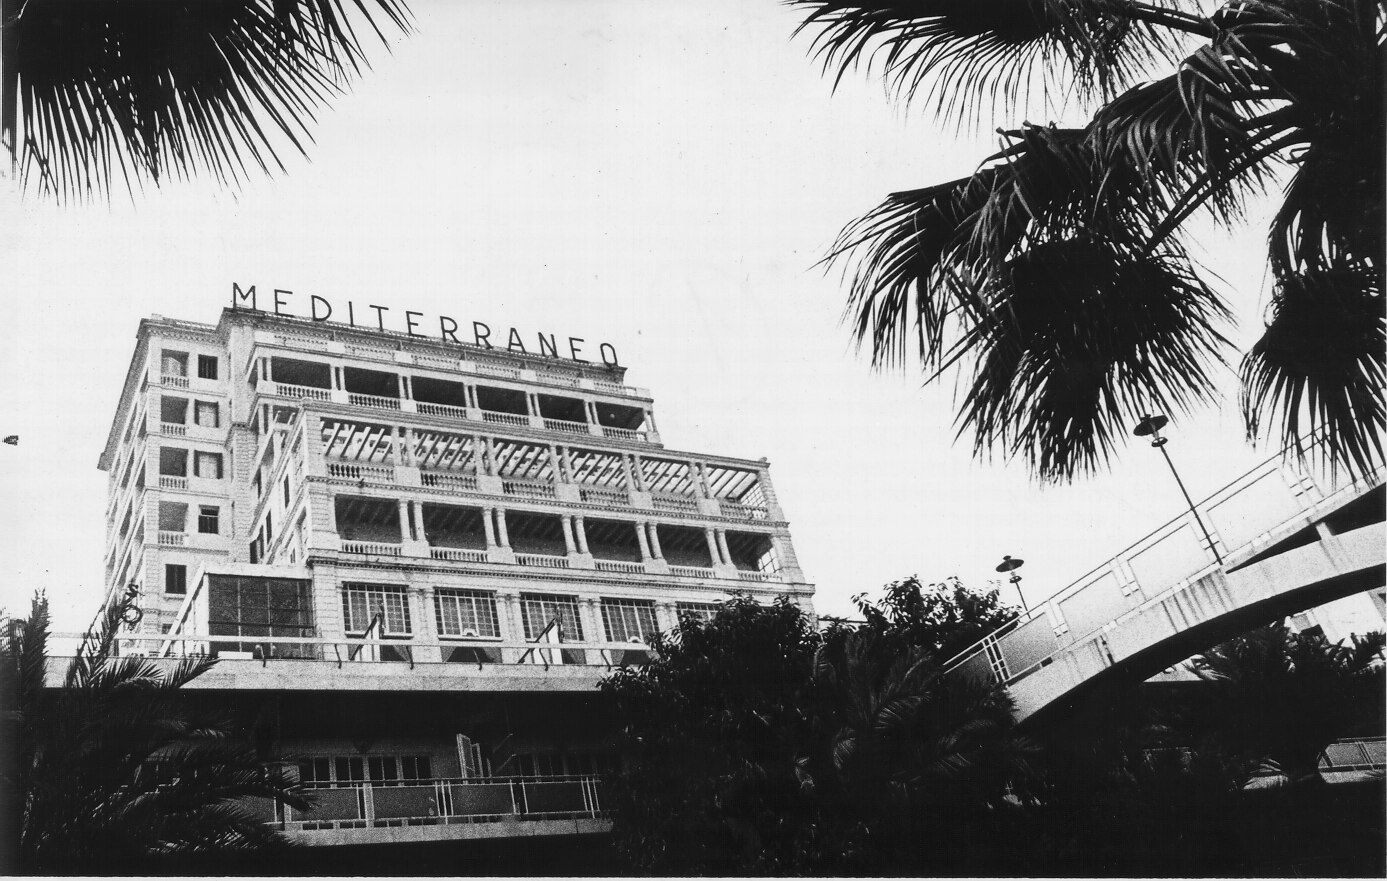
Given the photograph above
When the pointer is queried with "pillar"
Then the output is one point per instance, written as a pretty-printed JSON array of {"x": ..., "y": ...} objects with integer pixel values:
[
  {"x": 489, "y": 526},
  {"x": 557, "y": 465},
  {"x": 580, "y": 532},
  {"x": 644, "y": 542},
  {"x": 630, "y": 474},
  {"x": 568, "y": 543},
  {"x": 655, "y": 541},
  {"x": 722, "y": 546},
  {"x": 714, "y": 554},
  {"x": 501, "y": 535},
  {"x": 490, "y": 455},
  {"x": 406, "y": 526},
  {"x": 639, "y": 473}
]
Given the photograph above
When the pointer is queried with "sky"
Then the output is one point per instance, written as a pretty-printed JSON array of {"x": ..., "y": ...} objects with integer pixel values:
[{"x": 663, "y": 176}]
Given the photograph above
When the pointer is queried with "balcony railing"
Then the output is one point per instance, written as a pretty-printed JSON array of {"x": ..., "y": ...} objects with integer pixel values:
[
  {"x": 373, "y": 473},
  {"x": 528, "y": 489},
  {"x": 172, "y": 539},
  {"x": 682, "y": 504},
  {"x": 449, "y": 410},
  {"x": 745, "y": 512},
  {"x": 458, "y": 555},
  {"x": 637, "y": 434},
  {"x": 692, "y": 571},
  {"x": 170, "y": 481},
  {"x": 750, "y": 575},
  {"x": 371, "y": 547},
  {"x": 366, "y": 804},
  {"x": 447, "y": 480},
  {"x": 502, "y": 418},
  {"x": 547, "y": 561},
  {"x": 174, "y": 381},
  {"x": 498, "y": 370},
  {"x": 619, "y": 498},
  {"x": 173, "y": 429},
  {"x": 618, "y": 566},
  {"x": 313, "y": 393},
  {"x": 377, "y": 402},
  {"x": 566, "y": 425}
]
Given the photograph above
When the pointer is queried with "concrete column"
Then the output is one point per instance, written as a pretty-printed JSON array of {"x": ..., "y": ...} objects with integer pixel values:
[
  {"x": 630, "y": 473},
  {"x": 508, "y": 610},
  {"x": 568, "y": 542},
  {"x": 490, "y": 456},
  {"x": 580, "y": 532},
  {"x": 531, "y": 404},
  {"x": 403, "y": 454},
  {"x": 557, "y": 465},
  {"x": 403, "y": 382},
  {"x": 655, "y": 540},
  {"x": 640, "y": 474},
  {"x": 714, "y": 553},
  {"x": 644, "y": 542},
  {"x": 406, "y": 527},
  {"x": 489, "y": 526},
  {"x": 701, "y": 469},
  {"x": 501, "y": 535},
  {"x": 590, "y": 615},
  {"x": 722, "y": 546}
]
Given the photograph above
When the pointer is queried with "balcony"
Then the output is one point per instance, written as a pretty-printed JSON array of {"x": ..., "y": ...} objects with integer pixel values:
[
  {"x": 458, "y": 555},
  {"x": 426, "y": 805},
  {"x": 449, "y": 480},
  {"x": 368, "y": 473},
  {"x": 377, "y": 548},
  {"x": 544, "y": 561}
]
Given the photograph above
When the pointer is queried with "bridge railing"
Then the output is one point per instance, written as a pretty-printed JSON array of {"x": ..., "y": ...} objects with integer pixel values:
[{"x": 1253, "y": 511}]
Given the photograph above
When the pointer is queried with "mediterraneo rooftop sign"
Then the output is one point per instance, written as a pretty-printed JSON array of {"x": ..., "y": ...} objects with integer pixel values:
[{"x": 415, "y": 324}]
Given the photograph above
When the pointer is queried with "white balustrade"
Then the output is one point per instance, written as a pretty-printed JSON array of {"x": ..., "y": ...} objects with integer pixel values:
[
  {"x": 745, "y": 512},
  {"x": 566, "y": 425},
  {"x": 750, "y": 575},
  {"x": 173, "y": 429},
  {"x": 498, "y": 370},
  {"x": 441, "y": 410},
  {"x": 174, "y": 381},
  {"x": 445, "y": 480},
  {"x": 371, "y": 547},
  {"x": 527, "y": 489},
  {"x": 547, "y": 561},
  {"x": 373, "y": 473},
  {"x": 172, "y": 539},
  {"x": 501, "y": 418},
  {"x": 692, "y": 571},
  {"x": 619, "y": 566},
  {"x": 312, "y": 393},
  {"x": 458, "y": 555},
  {"x": 169, "y": 481},
  {"x": 377, "y": 402},
  {"x": 623, "y": 433},
  {"x": 682, "y": 504},
  {"x": 605, "y": 496}
]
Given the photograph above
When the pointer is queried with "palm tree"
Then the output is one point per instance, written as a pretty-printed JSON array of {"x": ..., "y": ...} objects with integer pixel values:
[
  {"x": 1058, "y": 271},
  {"x": 134, "y": 91},
  {"x": 1282, "y": 697},
  {"x": 112, "y": 771}
]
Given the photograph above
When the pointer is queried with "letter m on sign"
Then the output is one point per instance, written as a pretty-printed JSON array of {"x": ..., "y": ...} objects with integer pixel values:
[{"x": 238, "y": 296}]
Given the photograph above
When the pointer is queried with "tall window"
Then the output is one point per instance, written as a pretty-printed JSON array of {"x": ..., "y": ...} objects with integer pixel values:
[
  {"x": 322, "y": 771},
  {"x": 175, "y": 578},
  {"x": 173, "y": 363},
  {"x": 207, "y": 414},
  {"x": 251, "y": 606},
  {"x": 207, "y": 465},
  {"x": 209, "y": 519},
  {"x": 207, "y": 366},
  {"x": 539, "y": 610},
  {"x": 699, "y": 611},
  {"x": 465, "y": 612},
  {"x": 362, "y": 601},
  {"x": 628, "y": 620}
]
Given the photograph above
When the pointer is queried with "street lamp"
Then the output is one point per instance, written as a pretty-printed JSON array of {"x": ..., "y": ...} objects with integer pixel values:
[
  {"x": 1011, "y": 564},
  {"x": 1150, "y": 426}
]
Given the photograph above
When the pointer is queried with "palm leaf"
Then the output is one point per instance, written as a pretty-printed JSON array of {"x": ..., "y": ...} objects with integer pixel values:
[{"x": 141, "y": 92}]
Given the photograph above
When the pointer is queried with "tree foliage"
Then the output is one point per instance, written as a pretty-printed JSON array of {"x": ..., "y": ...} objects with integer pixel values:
[
  {"x": 129, "y": 90},
  {"x": 112, "y": 772},
  {"x": 755, "y": 745},
  {"x": 1059, "y": 270}
]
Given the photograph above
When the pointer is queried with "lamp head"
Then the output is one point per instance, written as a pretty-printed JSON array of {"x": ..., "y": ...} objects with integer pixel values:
[
  {"x": 1150, "y": 426},
  {"x": 1009, "y": 563}
]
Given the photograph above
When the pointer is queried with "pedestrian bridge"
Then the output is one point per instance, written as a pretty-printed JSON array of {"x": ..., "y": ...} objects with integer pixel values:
[{"x": 1289, "y": 541}]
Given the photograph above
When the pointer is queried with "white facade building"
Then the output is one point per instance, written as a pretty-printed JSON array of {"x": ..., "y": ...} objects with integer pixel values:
[{"x": 416, "y": 559}]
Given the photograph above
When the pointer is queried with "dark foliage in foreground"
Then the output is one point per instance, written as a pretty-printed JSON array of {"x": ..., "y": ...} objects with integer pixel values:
[
  {"x": 95, "y": 93},
  {"x": 1058, "y": 276},
  {"x": 112, "y": 773}
]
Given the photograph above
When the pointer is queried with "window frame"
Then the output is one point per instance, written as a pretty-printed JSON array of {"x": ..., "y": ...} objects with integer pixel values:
[
  {"x": 182, "y": 579},
  {"x": 202, "y": 367},
  {"x": 482, "y": 606},
  {"x": 212, "y": 514}
]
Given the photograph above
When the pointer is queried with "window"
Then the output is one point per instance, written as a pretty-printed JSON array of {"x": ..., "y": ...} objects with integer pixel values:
[
  {"x": 175, "y": 578},
  {"x": 207, "y": 465},
  {"x": 465, "y": 613},
  {"x": 173, "y": 363},
  {"x": 207, "y": 414},
  {"x": 207, "y": 366},
  {"x": 321, "y": 771},
  {"x": 539, "y": 610},
  {"x": 628, "y": 620},
  {"x": 173, "y": 516},
  {"x": 173, "y": 411},
  {"x": 361, "y": 602},
  {"x": 208, "y": 519},
  {"x": 173, "y": 462},
  {"x": 249, "y": 607},
  {"x": 698, "y": 611}
]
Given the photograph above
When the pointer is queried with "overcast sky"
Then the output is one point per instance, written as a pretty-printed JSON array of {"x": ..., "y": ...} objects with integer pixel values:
[{"x": 663, "y": 176}]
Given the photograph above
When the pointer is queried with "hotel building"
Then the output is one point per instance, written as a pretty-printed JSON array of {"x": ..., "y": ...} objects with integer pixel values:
[{"x": 415, "y": 560}]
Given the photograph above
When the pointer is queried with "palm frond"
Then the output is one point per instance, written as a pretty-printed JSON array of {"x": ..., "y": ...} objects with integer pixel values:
[
  {"x": 132, "y": 91},
  {"x": 965, "y": 58}
]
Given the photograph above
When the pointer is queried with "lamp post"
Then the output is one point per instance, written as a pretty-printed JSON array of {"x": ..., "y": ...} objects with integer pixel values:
[
  {"x": 1150, "y": 426},
  {"x": 1011, "y": 564}
]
